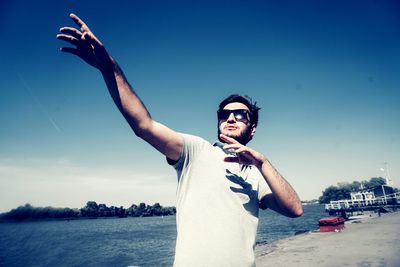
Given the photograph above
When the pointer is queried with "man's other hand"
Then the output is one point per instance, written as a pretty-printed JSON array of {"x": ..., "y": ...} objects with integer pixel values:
[{"x": 244, "y": 154}]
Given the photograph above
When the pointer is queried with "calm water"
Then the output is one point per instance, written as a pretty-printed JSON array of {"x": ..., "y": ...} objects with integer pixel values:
[{"x": 119, "y": 242}]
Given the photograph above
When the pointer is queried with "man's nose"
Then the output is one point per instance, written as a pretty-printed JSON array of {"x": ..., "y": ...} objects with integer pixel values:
[{"x": 231, "y": 118}]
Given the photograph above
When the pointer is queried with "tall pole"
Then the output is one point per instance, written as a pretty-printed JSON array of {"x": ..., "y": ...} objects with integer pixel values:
[
  {"x": 388, "y": 179},
  {"x": 384, "y": 194}
]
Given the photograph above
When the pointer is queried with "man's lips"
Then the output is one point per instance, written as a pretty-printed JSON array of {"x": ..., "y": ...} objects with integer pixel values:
[{"x": 230, "y": 128}]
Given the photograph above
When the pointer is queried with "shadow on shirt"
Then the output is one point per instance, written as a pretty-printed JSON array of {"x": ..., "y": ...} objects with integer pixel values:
[{"x": 246, "y": 194}]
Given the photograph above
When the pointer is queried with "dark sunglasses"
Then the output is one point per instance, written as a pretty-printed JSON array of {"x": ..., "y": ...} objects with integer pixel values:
[{"x": 242, "y": 115}]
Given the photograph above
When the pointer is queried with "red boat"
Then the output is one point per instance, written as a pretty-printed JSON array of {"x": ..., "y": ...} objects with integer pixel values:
[{"x": 330, "y": 224}]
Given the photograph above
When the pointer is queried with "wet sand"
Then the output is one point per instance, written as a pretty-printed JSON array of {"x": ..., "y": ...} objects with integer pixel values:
[{"x": 364, "y": 242}]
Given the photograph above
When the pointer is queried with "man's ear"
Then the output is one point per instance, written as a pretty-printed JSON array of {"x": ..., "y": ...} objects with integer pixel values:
[{"x": 253, "y": 130}]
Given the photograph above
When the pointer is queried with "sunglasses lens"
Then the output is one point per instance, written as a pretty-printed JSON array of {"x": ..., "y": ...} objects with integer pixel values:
[
  {"x": 224, "y": 114},
  {"x": 240, "y": 114}
]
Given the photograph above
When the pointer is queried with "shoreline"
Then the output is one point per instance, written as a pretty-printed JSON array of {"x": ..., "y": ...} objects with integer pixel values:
[
  {"x": 75, "y": 218},
  {"x": 371, "y": 241}
]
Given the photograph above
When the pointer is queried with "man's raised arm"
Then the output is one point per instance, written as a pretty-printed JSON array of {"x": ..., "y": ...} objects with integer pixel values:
[{"x": 92, "y": 51}]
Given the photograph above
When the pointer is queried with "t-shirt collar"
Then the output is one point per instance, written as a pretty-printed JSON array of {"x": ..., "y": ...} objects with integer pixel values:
[{"x": 221, "y": 145}]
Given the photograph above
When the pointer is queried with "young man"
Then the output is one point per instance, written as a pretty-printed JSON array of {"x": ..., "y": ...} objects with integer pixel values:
[{"x": 221, "y": 186}]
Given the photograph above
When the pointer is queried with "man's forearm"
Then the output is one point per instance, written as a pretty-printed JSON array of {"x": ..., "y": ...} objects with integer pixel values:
[
  {"x": 162, "y": 138},
  {"x": 127, "y": 101},
  {"x": 284, "y": 195}
]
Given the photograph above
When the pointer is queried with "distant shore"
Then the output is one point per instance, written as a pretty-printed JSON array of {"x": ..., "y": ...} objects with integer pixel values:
[
  {"x": 373, "y": 241},
  {"x": 92, "y": 210}
]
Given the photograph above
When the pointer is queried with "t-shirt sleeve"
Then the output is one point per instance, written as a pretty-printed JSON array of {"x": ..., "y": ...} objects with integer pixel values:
[{"x": 192, "y": 146}]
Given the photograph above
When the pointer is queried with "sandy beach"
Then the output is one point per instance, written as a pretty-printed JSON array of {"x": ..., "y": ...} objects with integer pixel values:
[{"x": 373, "y": 241}]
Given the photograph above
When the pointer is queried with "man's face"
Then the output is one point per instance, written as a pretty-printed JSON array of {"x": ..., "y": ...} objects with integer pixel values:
[{"x": 239, "y": 129}]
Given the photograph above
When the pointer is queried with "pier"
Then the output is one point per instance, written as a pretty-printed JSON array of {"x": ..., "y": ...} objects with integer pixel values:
[{"x": 381, "y": 199}]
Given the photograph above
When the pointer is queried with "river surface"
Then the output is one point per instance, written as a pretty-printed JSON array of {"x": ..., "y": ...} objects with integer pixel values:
[{"x": 120, "y": 241}]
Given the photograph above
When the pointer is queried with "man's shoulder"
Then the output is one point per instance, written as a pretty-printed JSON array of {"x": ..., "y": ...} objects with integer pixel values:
[{"x": 193, "y": 139}]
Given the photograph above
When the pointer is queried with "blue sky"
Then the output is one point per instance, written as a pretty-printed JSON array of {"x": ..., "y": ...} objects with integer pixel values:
[{"x": 324, "y": 73}]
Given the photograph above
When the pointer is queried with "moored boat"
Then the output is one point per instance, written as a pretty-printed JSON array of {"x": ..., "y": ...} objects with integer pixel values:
[{"x": 330, "y": 224}]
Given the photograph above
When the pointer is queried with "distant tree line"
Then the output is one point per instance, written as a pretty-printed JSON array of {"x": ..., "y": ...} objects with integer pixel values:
[
  {"x": 91, "y": 210},
  {"x": 343, "y": 190}
]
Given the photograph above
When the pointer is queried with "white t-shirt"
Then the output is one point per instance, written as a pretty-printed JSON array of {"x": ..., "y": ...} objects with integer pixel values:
[{"x": 217, "y": 207}]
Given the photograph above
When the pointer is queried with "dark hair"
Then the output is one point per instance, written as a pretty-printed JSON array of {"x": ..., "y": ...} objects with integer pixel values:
[{"x": 246, "y": 100}]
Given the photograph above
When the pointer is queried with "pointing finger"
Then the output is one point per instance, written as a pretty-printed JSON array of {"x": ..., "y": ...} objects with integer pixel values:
[{"x": 80, "y": 22}]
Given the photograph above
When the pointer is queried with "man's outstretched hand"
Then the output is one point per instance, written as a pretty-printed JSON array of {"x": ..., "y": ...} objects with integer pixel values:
[
  {"x": 87, "y": 46},
  {"x": 244, "y": 154}
]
